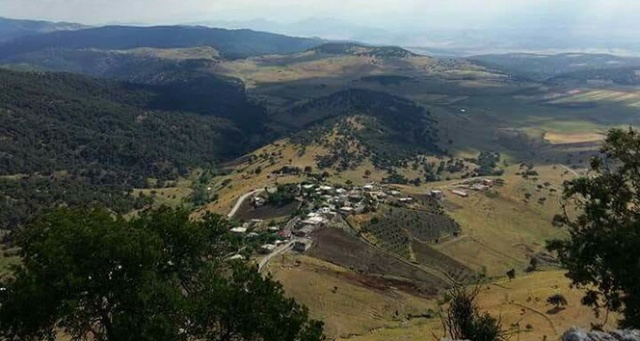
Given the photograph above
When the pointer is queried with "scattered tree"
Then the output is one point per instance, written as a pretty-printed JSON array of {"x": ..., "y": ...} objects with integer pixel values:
[
  {"x": 533, "y": 264},
  {"x": 558, "y": 300},
  {"x": 602, "y": 252},
  {"x": 511, "y": 274}
]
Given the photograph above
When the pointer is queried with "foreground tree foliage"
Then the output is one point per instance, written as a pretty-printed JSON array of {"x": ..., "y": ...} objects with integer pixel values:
[
  {"x": 161, "y": 276},
  {"x": 463, "y": 320},
  {"x": 602, "y": 254}
]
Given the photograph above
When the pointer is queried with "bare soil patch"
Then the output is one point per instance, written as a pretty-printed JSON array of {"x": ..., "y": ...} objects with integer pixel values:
[{"x": 341, "y": 248}]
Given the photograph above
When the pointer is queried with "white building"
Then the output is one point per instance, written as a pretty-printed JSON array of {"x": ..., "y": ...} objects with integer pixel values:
[
  {"x": 239, "y": 230},
  {"x": 436, "y": 194},
  {"x": 267, "y": 248},
  {"x": 460, "y": 193},
  {"x": 237, "y": 257},
  {"x": 346, "y": 210},
  {"x": 326, "y": 189}
]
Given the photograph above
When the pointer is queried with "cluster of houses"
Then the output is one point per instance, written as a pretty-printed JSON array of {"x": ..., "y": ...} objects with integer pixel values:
[
  {"x": 355, "y": 200},
  {"x": 325, "y": 203}
]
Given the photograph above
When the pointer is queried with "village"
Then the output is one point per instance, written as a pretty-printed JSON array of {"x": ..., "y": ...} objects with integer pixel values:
[{"x": 321, "y": 205}]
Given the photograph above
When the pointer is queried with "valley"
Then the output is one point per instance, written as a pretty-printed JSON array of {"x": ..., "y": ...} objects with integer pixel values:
[{"x": 365, "y": 179}]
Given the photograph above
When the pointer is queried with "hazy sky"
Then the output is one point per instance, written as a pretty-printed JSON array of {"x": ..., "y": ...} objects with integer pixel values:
[{"x": 375, "y": 13}]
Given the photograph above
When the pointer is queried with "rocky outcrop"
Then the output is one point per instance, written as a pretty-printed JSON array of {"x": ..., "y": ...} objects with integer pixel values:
[{"x": 575, "y": 334}]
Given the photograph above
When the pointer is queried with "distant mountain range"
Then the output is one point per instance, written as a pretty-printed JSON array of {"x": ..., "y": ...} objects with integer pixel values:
[
  {"x": 327, "y": 28},
  {"x": 13, "y": 28},
  {"x": 506, "y": 36}
]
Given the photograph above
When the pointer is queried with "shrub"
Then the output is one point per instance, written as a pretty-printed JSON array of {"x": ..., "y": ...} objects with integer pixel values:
[
  {"x": 463, "y": 321},
  {"x": 558, "y": 300}
]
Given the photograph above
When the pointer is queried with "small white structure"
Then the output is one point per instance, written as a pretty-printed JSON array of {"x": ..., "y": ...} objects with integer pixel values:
[
  {"x": 478, "y": 187},
  {"x": 436, "y": 194},
  {"x": 346, "y": 210},
  {"x": 405, "y": 200},
  {"x": 326, "y": 189},
  {"x": 368, "y": 188},
  {"x": 324, "y": 210},
  {"x": 341, "y": 191},
  {"x": 259, "y": 201},
  {"x": 267, "y": 248},
  {"x": 460, "y": 193},
  {"x": 314, "y": 221},
  {"x": 379, "y": 194},
  {"x": 395, "y": 193},
  {"x": 237, "y": 257},
  {"x": 304, "y": 231},
  {"x": 308, "y": 187},
  {"x": 239, "y": 230},
  {"x": 355, "y": 195}
]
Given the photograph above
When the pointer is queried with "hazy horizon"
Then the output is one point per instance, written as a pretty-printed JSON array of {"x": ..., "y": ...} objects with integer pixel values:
[
  {"x": 536, "y": 24},
  {"x": 375, "y": 13}
]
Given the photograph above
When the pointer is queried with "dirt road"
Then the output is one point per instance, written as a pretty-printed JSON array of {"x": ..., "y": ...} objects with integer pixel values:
[{"x": 241, "y": 200}]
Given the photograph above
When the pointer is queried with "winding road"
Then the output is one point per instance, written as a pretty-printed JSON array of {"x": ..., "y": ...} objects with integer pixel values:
[{"x": 241, "y": 200}]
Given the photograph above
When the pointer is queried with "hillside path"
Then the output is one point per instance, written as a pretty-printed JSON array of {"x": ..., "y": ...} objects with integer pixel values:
[
  {"x": 241, "y": 200},
  {"x": 570, "y": 170},
  {"x": 264, "y": 261}
]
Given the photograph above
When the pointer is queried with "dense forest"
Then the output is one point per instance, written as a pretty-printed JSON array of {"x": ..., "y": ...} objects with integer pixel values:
[{"x": 68, "y": 138}]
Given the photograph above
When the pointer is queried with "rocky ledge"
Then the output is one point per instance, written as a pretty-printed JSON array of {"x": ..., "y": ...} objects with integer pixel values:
[{"x": 576, "y": 334}]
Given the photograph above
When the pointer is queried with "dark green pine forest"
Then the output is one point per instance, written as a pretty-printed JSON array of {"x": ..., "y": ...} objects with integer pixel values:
[{"x": 70, "y": 139}]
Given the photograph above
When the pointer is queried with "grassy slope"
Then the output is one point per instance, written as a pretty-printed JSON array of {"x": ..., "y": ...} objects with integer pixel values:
[
  {"x": 520, "y": 301},
  {"x": 353, "y": 309},
  {"x": 312, "y": 64},
  {"x": 502, "y": 232}
]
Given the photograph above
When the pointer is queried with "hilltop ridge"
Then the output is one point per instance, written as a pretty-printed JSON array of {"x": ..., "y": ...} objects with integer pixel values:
[{"x": 356, "y": 49}]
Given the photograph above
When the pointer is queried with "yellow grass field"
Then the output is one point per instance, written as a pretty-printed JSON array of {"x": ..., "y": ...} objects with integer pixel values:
[
  {"x": 351, "y": 309},
  {"x": 503, "y": 230},
  {"x": 570, "y": 138},
  {"x": 310, "y": 65},
  {"x": 630, "y": 98},
  {"x": 520, "y": 304}
]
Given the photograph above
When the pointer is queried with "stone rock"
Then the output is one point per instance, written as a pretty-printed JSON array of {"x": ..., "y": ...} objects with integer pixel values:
[{"x": 576, "y": 334}]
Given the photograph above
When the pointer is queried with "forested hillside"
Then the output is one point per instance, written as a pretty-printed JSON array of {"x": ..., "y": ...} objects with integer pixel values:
[
  {"x": 387, "y": 128},
  {"x": 99, "y": 138},
  {"x": 231, "y": 43}
]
